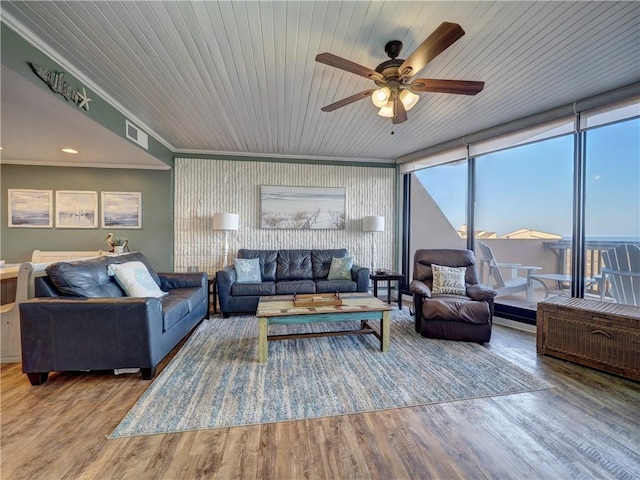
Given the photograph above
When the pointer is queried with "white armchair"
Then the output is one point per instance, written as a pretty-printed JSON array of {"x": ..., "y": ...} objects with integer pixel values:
[{"x": 622, "y": 273}]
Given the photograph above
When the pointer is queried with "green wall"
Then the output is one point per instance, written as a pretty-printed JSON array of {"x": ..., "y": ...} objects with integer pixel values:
[{"x": 155, "y": 239}]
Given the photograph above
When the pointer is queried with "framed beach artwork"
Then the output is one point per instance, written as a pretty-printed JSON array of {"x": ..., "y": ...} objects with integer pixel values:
[
  {"x": 30, "y": 208},
  {"x": 121, "y": 210},
  {"x": 303, "y": 208},
  {"x": 76, "y": 209}
]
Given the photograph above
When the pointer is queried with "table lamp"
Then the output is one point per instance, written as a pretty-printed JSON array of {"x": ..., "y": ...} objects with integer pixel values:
[
  {"x": 226, "y": 222},
  {"x": 372, "y": 225}
]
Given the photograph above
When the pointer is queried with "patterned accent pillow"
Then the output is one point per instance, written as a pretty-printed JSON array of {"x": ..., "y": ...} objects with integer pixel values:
[
  {"x": 247, "y": 270},
  {"x": 135, "y": 279},
  {"x": 340, "y": 268},
  {"x": 449, "y": 280}
]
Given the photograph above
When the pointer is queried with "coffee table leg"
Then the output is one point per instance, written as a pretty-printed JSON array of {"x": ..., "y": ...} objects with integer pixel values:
[
  {"x": 384, "y": 331},
  {"x": 263, "y": 347}
]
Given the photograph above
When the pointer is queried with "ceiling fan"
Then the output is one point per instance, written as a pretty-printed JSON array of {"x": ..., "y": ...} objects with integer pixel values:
[{"x": 396, "y": 92}]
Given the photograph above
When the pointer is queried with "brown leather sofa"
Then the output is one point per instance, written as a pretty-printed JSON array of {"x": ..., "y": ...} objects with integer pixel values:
[{"x": 446, "y": 316}]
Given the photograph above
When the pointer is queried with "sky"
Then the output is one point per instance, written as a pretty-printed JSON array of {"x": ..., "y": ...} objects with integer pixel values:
[{"x": 531, "y": 186}]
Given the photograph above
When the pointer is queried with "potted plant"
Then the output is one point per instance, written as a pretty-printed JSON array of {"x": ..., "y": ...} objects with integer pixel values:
[{"x": 119, "y": 244}]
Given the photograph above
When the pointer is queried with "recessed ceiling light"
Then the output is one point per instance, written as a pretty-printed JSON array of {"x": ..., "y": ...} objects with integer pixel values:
[{"x": 69, "y": 150}]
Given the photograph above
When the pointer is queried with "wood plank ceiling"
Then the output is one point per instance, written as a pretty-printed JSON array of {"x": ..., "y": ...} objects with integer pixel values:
[{"x": 240, "y": 77}]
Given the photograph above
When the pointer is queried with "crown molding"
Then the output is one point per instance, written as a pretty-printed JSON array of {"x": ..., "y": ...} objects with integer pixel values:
[
  {"x": 33, "y": 163},
  {"x": 219, "y": 153}
]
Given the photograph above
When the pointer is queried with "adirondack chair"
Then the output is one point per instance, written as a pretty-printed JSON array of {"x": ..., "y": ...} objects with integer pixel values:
[
  {"x": 622, "y": 271},
  {"x": 506, "y": 286}
]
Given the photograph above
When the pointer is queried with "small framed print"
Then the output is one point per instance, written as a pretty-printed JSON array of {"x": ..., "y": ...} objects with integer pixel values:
[
  {"x": 76, "y": 209},
  {"x": 30, "y": 208},
  {"x": 121, "y": 210}
]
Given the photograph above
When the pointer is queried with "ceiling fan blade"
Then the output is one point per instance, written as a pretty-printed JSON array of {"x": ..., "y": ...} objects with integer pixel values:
[
  {"x": 349, "y": 66},
  {"x": 348, "y": 100},
  {"x": 462, "y": 87},
  {"x": 442, "y": 38},
  {"x": 399, "y": 112}
]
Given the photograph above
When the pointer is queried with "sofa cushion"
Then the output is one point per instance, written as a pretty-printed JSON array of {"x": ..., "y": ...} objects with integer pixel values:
[
  {"x": 287, "y": 287},
  {"x": 340, "y": 268},
  {"x": 321, "y": 261},
  {"x": 294, "y": 265},
  {"x": 84, "y": 278},
  {"x": 44, "y": 287},
  {"x": 456, "y": 308},
  {"x": 194, "y": 296},
  {"x": 174, "y": 307},
  {"x": 268, "y": 261},
  {"x": 247, "y": 270},
  {"x": 135, "y": 280},
  {"x": 327, "y": 286},
  {"x": 253, "y": 289}
]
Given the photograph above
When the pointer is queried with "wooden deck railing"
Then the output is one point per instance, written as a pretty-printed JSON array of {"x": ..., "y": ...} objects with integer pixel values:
[{"x": 593, "y": 257}]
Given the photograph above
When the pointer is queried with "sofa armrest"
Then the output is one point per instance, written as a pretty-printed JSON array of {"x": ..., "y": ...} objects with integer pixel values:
[
  {"x": 360, "y": 275},
  {"x": 225, "y": 278},
  {"x": 61, "y": 333},
  {"x": 171, "y": 280},
  {"x": 480, "y": 292},
  {"x": 420, "y": 288}
]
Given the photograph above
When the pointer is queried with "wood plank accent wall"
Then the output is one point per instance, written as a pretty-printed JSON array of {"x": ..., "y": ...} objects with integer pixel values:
[{"x": 206, "y": 186}]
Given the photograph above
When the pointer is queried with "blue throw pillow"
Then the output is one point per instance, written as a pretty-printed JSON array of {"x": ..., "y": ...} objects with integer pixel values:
[
  {"x": 247, "y": 270},
  {"x": 340, "y": 268}
]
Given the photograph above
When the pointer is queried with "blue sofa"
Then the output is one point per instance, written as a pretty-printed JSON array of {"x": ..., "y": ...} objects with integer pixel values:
[
  {"x": 82, "y": 320},
  {"x": 284, "y": 272}
]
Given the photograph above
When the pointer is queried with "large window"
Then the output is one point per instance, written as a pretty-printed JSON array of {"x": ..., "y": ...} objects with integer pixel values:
[
  {"x": 612, "y": 195},
  {"x": 527, "y": 188},
  {"x": 613, "y": 182},
  {"x": 438, "y": 207},
  {"x": 523, "y": 214}
]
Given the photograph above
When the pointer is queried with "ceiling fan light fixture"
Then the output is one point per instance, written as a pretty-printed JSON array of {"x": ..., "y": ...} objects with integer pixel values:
[
  {"x": 394, "y": 79},
  {"x": 409, "y": 99},
  {"x": 386, "y": 110},
  {"x": 381, "y": 96}
]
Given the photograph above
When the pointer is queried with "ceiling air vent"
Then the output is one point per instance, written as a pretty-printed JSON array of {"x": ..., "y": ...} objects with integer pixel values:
[{"x": 137, "y": 136}]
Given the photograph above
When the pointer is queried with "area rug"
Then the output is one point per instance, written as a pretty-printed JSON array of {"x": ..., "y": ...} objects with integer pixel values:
[{"x": 216, "y": 381}]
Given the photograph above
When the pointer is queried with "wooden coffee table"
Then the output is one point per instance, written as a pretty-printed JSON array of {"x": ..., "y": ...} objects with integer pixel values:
[{"x": 279, "y": 309}]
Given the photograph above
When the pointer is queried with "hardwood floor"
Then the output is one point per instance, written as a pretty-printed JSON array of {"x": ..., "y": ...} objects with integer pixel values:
[{"x": 587, "y": 426}]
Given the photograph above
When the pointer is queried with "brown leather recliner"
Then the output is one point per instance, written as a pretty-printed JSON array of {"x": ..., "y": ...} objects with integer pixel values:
[{"x": 447, "y": 316}]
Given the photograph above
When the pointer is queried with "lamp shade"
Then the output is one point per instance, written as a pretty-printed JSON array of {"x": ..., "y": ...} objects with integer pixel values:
[
  {"x": 225, "y": 221},
  {"x": 386, "y": 110},
  {"x": 373, "y": 224},
  {"x": 408, "y": 99},
  {"x": 381, "y": 96}
]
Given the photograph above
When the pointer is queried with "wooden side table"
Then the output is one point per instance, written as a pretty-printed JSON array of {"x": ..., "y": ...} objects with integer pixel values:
[
  {"x": 213, "y": 295},
  {"x": 388, "y": 277}
]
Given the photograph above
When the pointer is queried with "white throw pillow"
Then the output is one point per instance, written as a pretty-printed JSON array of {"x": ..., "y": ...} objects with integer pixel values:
[
  {"x": 135, "y": 279},
  {"x": 449, "y": 280}
]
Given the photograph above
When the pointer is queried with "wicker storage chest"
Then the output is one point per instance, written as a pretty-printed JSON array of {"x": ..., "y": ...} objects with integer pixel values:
[{"x": 596, "y": 334}]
